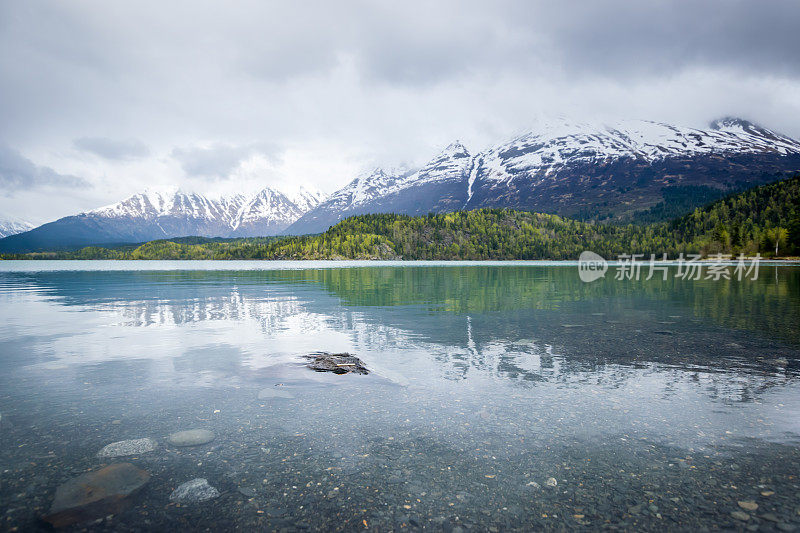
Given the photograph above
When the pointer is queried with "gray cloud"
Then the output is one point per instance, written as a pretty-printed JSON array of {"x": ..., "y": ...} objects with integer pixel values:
[
  {"x": 232, "y": 72},
  {"x": 215, "y": 161},
  {"x": 114, "y": 149},
  {"x": 660, "y": 37},
  {"x": 18, "y": 173},
  {"x": 378, "y": 81}
]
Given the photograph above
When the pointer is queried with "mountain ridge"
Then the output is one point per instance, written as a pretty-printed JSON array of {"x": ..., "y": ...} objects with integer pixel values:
[
  {"x": 170, "y": 212},
  {"x": 622, "y": 172},
  {"x": 763, "y": 220},
  {"x": 583, "y": 170}
]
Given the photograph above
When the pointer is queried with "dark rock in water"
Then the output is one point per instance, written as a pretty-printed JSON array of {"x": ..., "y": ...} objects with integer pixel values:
[
  {"x": 338, "y": 363},
  {"x": 95, "y": 494}
]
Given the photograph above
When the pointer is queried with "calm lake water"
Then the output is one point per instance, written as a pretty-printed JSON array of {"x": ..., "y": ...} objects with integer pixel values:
[{"x": 652, "y": 404}]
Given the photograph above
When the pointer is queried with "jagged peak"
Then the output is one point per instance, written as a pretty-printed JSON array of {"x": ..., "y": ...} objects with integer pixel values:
[
  {"x": 733, "y": 123},
  {"x": 161, "y": 190},
  {"x": 738, "y": 126},
  {"x": 268, "y": 192},
  {"x": 729, "y": 121},
  {"x": 14, "y": 223},
  {"x": 308, "y": 190},
  {"x": 455, "y": 149},
  {"x": 381, "y": 172},
  {"x": 369, "y": 172}
]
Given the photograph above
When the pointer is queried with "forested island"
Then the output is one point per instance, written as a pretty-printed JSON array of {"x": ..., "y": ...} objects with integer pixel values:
[{"x": 763, "y": 220}]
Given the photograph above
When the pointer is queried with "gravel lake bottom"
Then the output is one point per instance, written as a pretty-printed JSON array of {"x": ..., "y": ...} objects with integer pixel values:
[{"x": 502, "y": 397}]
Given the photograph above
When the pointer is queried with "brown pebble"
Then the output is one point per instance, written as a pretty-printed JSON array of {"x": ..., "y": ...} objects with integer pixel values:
[{"x": 748, "y": 506}]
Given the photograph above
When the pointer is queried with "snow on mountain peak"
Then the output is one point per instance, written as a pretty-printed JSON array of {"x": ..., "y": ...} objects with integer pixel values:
[
  {"x": 744, "y": 129},
  {"x": 733, "y": 124},
  {"x": 553, "y": 148},
  {"x": 267, "y": 205},
  {"x": 455, "y": 149},
  {"x": 237, "y": 211},
  {"x": 556, "y": 144},
  {"x": 12, "y": 226},
  {"x": 305, "y": 198},
  {"x": 374, "y": 182},
  {"x": 367, "y": 185}
]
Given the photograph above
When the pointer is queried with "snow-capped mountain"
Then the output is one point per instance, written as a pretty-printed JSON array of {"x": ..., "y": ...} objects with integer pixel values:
[
  {"x": 268, "y": 213},
  {"x": 594, "y": 171},
  {"x": 434, "y": 187},
  {"x": 575, "y": 169},
  {"x": 9, "y": 226},
  {"x": 305, "y": 199},
  {"x": 175, "y": 212},
  {"x": 159, "y": 214},
  {"x": 368, "y": 186},
  {"x": 557, "y": 145}
]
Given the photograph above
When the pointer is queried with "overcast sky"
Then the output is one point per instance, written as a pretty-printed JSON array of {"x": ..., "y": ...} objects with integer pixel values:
[{"x": 100, "y": 99}]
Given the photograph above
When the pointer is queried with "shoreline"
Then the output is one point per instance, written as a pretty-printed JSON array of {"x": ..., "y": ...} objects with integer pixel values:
[{"x": 143, "y": 265}]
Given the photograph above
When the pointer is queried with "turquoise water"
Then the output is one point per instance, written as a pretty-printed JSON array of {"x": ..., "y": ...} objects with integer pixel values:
[{"x": 652, "y": 404}]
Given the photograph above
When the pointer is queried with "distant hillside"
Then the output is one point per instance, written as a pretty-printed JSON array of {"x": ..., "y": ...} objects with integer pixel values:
[
  {"x": 753, "y": 221},
  {"x": 756, "y": 220}
]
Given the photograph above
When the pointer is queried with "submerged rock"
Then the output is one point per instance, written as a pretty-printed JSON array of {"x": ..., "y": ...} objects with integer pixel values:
[
  {"x": 748, "y": 506},
  {"x": 274, "y": 392},
  {"x": 338, "y": 363},
  {"x": 128, "y": 447},
  {"x": 194, "y": 491},
  {"x": 249, "y": 492},
  {"x": 191, "y": 437},
  {"x": 95, "y": 494}
]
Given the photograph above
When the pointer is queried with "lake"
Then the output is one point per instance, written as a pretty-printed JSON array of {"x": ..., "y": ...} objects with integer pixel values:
[{"x": 501, "y": 396}]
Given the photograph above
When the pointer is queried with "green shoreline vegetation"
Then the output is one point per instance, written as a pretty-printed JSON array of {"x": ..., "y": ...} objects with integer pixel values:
[{"x": 763, "y": 220}]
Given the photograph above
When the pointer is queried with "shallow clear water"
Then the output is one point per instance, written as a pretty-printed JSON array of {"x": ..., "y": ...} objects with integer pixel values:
[{"x": 653, "y": 404}]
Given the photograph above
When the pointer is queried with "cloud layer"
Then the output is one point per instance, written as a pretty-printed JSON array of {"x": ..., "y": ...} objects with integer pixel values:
[
  {"x": 113, "y": 149},
  {"x": 203, "y": 94},
  {"x": 18, "y": 173},
  {"x": 216, "y": 161}
]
